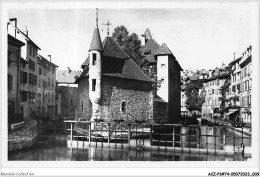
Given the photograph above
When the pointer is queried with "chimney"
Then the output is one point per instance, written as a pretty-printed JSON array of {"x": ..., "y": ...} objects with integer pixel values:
[
  {"x": 68, "y": 69},
  {"x": 142, "y": 39},
  {"x": 210, "y": 73},
  {"x": 223, "y": 65},
  {"x": 15, "y": 24},
  {"x": 234, "y": 56}
]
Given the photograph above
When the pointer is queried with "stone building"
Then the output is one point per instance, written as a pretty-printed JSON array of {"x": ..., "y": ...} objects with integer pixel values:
[
  {"x": 111, "y": 85},
  {"x": 67, "y": 93},
  {"x": 14, "y": 60},
  {"x": 212, "y": 85},
  {"x": 246, "y": 85},
  {"x": 28, "y": 73},
  {"x": 46, "y": 89},
  {"x": 164, "y": 67},
  {"x": 233, "y": 103}
]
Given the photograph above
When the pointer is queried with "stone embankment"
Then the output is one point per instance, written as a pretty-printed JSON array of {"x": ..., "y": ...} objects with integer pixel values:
[{"x": 24, "y": 137}]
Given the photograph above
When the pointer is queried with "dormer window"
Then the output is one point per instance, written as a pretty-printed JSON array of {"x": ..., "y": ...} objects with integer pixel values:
[
  {"x": 94, "y": 58},
  {"x": 147, "y": 51}
]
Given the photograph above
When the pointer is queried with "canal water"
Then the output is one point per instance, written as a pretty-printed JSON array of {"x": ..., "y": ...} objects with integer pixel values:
[
  {"x": 49, "y": 150},
  {"x": 54, "y": 147}
]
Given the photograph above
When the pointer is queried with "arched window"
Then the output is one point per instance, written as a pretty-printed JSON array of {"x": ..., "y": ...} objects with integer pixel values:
[{"x": 123, "y": 106}]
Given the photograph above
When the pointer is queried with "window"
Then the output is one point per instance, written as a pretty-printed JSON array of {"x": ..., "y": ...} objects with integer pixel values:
[
  {"x": 10, "y": 82},
  {"x": 33, "y": 52},
  {"x": 33, "y": 96},
  {"x": 93, "y": 84},
  {"x": 23, "y": 96},
  {"x": 94, "y": 58},
  {"x": 246, "y": 85},
  {"x": 71, "y": 103},
  {"x": 82, "y": 106},
  {"x": 234, "y": 89},
  {"x": 162, "y": 66},
  {"x": 30, "y": 50},
  {"x": 217, "y": 82},
  {"x": 40, "y": 71},
  {"x": 238, "y": 88},
  {"x": 49, "y": 82},
  {"x": 245, "y": 72},
  {"x": 23, "y": 77},
  {"x": 48, "y": 96},
  {"x": 52, "y": 97},
  {"x": 212, "y": 91},
  {"x": 123, "y": 106}
]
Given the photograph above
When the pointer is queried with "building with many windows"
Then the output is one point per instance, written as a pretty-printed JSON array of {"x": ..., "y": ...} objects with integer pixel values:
[
  {"x": 28, "y": 72},
  {"x": 212, "y": 85},
  {"x": 246, "y": 85},
  {"x": 67, "y": 92},
  {"x": 46, "y": 94},
  {"x": 14, "y": 60}
]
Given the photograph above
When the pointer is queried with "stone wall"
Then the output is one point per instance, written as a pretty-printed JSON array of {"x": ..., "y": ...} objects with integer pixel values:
[
  {"x": 84, "y": 105},
  {"x": 68, "y": 93},
  {"x": 160, "y": 112},
  {"x": 136, "y": 95}
]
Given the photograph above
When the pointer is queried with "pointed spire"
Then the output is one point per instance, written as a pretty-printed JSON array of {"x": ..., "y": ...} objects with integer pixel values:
[
  {"x": 163, "y": 50},
  {"x": 96, "y": 43},
  {"x": 147, "y": 34},
  {"x": 97, "y": 17}
]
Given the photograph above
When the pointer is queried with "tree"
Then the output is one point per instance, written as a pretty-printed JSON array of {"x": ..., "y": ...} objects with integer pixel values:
[
  {"x": 121, "y": 34},
  {"x": 194, "y": 100},
  {"x": 131, "y": 44},
  {"x": 223, "y": 91}
]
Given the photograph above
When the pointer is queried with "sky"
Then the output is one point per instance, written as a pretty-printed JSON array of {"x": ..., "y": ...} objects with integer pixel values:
[{"x": 198, "y": 38}]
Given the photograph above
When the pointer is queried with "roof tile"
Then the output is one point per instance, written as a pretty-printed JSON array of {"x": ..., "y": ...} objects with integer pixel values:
[
  {"x": 96, "y": 41},
  {"x": 62, "y": 76},
  {"x": 163, "y": 50}
]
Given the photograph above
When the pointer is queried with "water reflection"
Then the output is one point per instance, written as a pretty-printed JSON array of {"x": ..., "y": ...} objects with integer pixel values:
[{"x": 58, "y": 151}]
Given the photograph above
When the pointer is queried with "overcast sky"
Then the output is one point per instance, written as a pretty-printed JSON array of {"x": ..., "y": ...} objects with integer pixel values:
[{"x": 199, "y": 38}]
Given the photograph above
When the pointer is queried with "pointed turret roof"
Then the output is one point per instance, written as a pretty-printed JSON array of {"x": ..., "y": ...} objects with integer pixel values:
[
  {"x": 163, "y": 50},
  {"x": 147, "y": 34},
  {"x": 96, "y": 43}
]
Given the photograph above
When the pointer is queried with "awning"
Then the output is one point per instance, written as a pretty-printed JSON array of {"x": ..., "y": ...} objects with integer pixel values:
[{"x": 231, "y": 112}]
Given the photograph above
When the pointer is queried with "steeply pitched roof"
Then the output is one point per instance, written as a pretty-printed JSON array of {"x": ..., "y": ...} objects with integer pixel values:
[
  {"x": 148, "y": 50},
  {"x": 246, "y": 61},
  {"x": 62, "y": 76},
  {"x": 147, "y": 34},
  {"x": 111, "y": 49},
  {"x": 45, "y": 62},
  {"x": 125, "y": 67},
  {"x": 96, "y": 41},
  {"x": 85, "y": 63},
  {"x": 235, "y": 61},
  {"x": 130, "y": 71},
  {"x": 27, "y": 38},
  {"x": 163, "y": 50}
]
